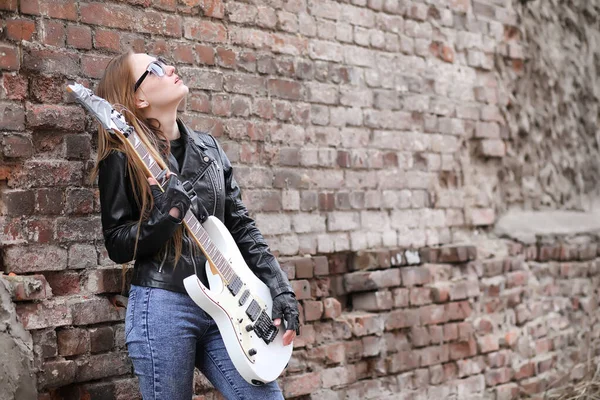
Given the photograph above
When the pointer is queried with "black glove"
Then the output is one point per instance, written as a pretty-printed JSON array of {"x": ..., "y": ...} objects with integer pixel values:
[
  {"x": 285, "y": 306},
  {"x": 174, "y": 195}
]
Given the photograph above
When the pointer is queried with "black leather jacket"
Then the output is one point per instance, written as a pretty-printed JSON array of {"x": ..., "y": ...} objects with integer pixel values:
[{"x": 207, "y": 167}]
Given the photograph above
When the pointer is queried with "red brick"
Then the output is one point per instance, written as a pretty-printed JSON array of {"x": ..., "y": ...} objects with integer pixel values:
[
  {"x": 79, "y": 36},
  {"x": 334, "y": 353},
  {"x": 93, "y": 310},
  {"x": 20, "y": 29},
  {"x": 320, "y": 287},
  {"x": 72, "y": 341},
  {"x": 362, "y": 324},
  {"x": 403, "y": 319},
  {"x": 101, "y": 339},
  {"x": 307, "y": 336},
  {"x": 433, "y": 314},
  {"x": 321, "y": 265},
  {"x": 78, "y": 229},
  {"x": 9, "y": 58},
  {"x": 420, "y": 296},
  {"x": 517, "y": 278},
  {"x": 17, "y": 146},
  {"x": 225, "y": 58},
  {"x": 108, "y": 40},
  {"x": 63, "y": 283},
  {"x": 14, "y": 86},
  {"x": 204, "y": 31},
  {"x": 18, "y": 202},
  {"x": 21, "y": 259},
  {"x": 488, "y": 344},
  {"x": 313, "y": 310},
  {"x": 433, "y": 355},
  {"x": 372, "y": 346},
  {"x": 332, "y": 308},
  {"x": 440, "y": 293},
  {"x": 364, "y": 281},
  {"x": 9, "y": 5},
  {"x": 458, "y": 310},
  {"x": 419, "y": 336},
  {"x": 401, "y": 297},
  {"x": 28, "y": 287},
  {"x": 450, "y": 332},
  {"x": 206, "y": 54},
  {"x": 373, "y": 301},
  {"x": 368, "y": 260},
  {"x": 44, "y": 343},
  {"x": 47, "y": 313},
  {"x": 100, "y": 366},
  {"x": 57, "y": 373},
  {"x": 213, "y": 8},
  {"x": 464, "y": 349},
  {"x": 60, "y": 9},
  {"x": 103, "y": 281},
  {"x": 510, "y": 391},
  {"x": 304, "y": 268},
  {"x": 52, "y": 33},
  {"x": 301, "y": 289},
  {"x": 49, "y": 116},
  {"x": 338, "y": 376},
  {"x": 50, "y": 201},
  {"x": 80, "y": 201},
  {"x": 298, "y": 385},
  {"x": 402, "y": 361},
  {"x": 93, "y": 66},
  {"x": 415, "y": 276},
  {"x": 290, "y": 90}
]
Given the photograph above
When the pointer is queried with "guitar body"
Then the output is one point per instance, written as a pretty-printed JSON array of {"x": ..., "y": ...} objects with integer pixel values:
[{"x": 257, "y": 361}]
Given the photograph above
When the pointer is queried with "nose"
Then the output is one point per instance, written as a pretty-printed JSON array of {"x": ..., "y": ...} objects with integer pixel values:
[{"x": 170, "y": 69}]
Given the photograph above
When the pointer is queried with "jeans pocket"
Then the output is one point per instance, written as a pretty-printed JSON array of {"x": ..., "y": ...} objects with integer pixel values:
[{"x": 129, "y": 315}]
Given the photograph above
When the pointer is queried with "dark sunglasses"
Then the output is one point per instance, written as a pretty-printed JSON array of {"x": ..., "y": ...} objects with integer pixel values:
[{"x": 156, "y": 67}]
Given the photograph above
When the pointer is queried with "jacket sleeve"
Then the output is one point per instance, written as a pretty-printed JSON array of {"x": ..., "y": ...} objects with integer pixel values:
[
  {"x": 250, "y": 241},
  {"x": 120, "y": 217}
]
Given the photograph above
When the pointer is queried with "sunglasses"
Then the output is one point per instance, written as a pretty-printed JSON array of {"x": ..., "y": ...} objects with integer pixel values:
[{"x": 156, "y": 67}]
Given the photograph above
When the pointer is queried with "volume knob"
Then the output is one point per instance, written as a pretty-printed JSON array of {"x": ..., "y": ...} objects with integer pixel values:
[
  {"x": 252, "y": 352},
  {"x": 249, "y": 327}
]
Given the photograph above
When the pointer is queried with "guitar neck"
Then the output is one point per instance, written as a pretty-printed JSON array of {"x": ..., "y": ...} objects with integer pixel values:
[{"x": 194, "y": 227}]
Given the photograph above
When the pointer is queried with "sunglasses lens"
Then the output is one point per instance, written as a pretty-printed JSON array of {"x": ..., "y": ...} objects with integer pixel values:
[{"x": 157, "y": 69}]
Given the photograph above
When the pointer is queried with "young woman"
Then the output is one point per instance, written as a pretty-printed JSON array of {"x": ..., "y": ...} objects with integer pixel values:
[{"x": 166, "y": 333}]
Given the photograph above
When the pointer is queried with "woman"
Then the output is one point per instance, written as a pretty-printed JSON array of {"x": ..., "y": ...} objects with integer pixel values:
[{"x": 166, "y": 333}]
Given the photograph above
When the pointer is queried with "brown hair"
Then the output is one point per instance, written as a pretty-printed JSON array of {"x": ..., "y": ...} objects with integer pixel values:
[{"x": 116, "y": 86}]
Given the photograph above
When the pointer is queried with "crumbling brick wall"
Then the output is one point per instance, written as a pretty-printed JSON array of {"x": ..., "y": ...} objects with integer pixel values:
[{"x": 352, "y": 126}]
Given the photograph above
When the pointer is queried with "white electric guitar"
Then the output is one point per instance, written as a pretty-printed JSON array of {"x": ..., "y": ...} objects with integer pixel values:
[{"x": 237, "y": 300}]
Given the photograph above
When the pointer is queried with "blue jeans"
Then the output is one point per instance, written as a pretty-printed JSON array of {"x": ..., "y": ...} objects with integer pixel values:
[{"x": 167, "y": 334}]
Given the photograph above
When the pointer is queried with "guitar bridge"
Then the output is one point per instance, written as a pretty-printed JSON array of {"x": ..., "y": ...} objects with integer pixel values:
[{"x": 265, "y": 329}]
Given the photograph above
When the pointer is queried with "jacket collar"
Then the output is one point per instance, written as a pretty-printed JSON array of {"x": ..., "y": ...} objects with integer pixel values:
[{"x": 190, "y": 134}]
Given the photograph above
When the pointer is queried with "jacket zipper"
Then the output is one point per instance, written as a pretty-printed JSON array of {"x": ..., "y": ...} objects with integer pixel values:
[
  {"x": 216, "y": 195},
  {"x": 162, "y": 262}
]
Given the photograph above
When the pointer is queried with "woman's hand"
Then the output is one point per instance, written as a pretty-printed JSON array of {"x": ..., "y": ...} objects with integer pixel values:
[
  {"x": 173, "y": 200},
  {"x": 285, "y": 306}
]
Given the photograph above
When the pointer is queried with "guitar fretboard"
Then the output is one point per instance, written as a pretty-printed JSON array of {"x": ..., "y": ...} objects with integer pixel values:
[{"x": 212, "y": 253}]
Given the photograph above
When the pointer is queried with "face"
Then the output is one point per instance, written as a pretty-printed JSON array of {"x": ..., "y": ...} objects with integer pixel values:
[{"x": 156, "y": 92}]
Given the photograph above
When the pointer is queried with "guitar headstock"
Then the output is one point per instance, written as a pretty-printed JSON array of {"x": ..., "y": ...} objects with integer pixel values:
[{"x": 112, "y": 120}]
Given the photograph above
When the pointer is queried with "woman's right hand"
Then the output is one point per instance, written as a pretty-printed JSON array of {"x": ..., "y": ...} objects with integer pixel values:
[{"x": 174, "y": 200}]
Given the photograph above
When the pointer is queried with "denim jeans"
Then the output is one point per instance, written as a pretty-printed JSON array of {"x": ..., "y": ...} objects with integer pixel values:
[{"x": 167, "y": 334}]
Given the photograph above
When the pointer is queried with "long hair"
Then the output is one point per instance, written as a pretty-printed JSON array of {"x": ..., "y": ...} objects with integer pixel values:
[{"x": 116, "y": 86}]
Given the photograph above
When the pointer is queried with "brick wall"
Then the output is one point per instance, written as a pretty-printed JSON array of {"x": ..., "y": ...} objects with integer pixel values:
[{"x": 352, "y": 126}]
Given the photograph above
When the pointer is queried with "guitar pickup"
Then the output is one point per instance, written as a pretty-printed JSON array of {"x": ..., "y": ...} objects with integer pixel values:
[
  {"x": 235, "y": 286},
  {"x": 244, "y": 297},
  {"x": 253, "y": 310}
]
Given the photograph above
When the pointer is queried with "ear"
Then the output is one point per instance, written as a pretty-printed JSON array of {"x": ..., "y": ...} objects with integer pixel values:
[{"x": 141, "y": 103}]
